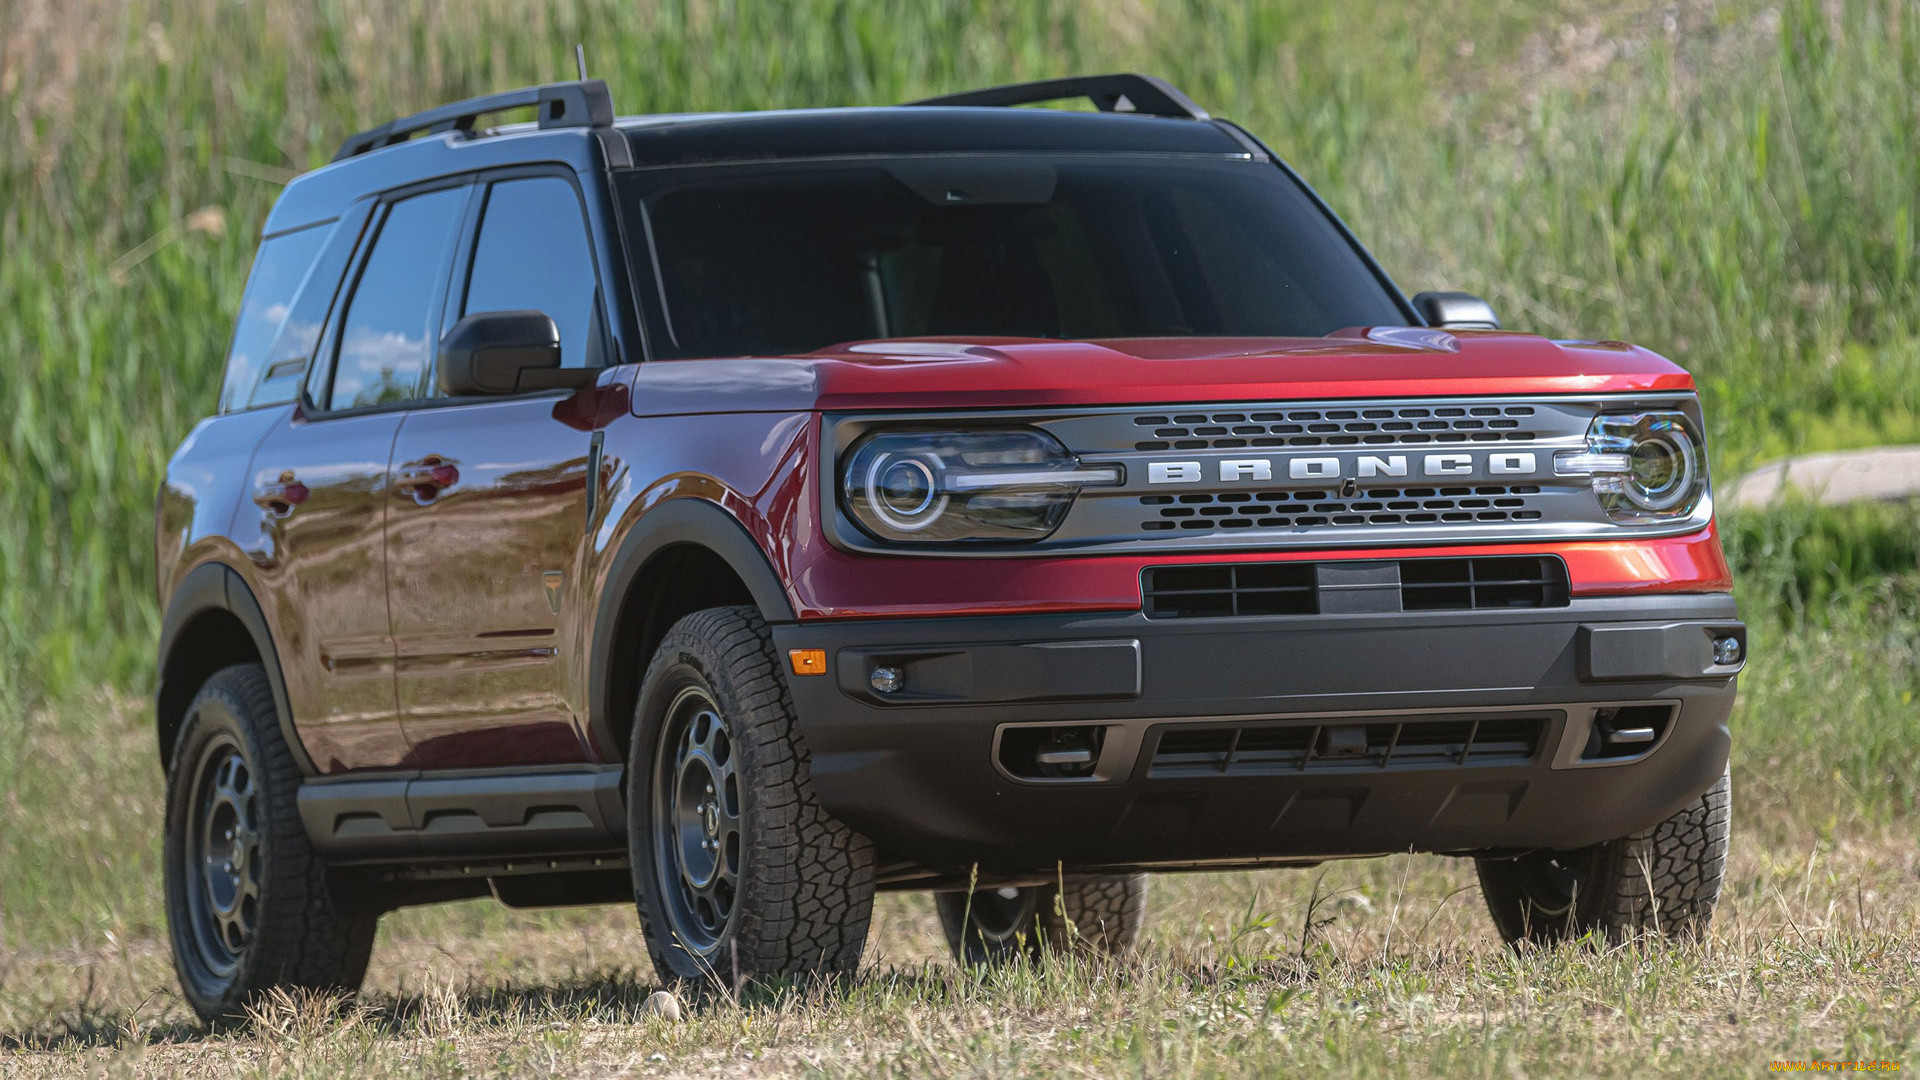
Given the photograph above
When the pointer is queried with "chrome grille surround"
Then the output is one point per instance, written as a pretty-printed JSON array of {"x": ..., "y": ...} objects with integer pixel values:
[{"x": 1347, "y": 501}]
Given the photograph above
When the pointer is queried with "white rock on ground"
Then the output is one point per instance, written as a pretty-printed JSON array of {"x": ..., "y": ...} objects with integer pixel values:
[
  {"x": 1845, "y": 476},
  {"x": 663, "y": 1004}
]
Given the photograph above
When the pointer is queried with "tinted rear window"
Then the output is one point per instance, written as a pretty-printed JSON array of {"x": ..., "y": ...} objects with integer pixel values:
[
  {"x": 278, "y": 271},
  {"x": 792, "y": 259}
]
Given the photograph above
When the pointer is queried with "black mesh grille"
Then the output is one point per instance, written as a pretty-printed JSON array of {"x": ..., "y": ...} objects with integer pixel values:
[
  {"x": 1268, "y": 749},
  {"x": 1408, "y": 425},
  {"x": 1466, "y": 584},
  {"x": 1173, "y": 515},
  {"x": 1184, "y": 592}
]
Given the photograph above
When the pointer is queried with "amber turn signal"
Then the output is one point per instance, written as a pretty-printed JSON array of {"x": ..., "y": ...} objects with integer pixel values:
[{"x": 808, "y": 661}]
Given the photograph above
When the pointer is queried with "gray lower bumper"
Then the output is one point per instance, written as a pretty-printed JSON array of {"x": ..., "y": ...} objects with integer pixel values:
[{"x": 922, "y": 771}]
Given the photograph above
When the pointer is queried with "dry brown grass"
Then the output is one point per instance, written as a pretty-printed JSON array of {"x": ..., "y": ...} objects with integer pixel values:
[{"x": 1815, "y": 954}]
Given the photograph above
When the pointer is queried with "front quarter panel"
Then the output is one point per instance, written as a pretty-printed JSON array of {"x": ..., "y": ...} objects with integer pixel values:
[
  {"x": 733, "y": 483},
  {"x": 753, "y": 466}
]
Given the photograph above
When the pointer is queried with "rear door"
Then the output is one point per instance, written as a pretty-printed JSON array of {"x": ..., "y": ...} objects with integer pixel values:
[
  {"x": 320, "y": 485},
  {"x": 486, "y": 518}
]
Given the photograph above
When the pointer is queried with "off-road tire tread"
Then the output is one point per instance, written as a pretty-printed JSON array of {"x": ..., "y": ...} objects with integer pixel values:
[
  {"x": 1090, "y": 916},
  {"x": 304, "y": 940},
  {"x": 1102, "y": 914},
  {"x": 1664, "y": 880},
  {"x": 807, "y": 879}
]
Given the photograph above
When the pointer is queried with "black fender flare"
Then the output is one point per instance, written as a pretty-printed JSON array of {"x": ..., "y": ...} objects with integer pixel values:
[
  {"x": 217, "y": 587},
  {"x": 686, "y": 520}
]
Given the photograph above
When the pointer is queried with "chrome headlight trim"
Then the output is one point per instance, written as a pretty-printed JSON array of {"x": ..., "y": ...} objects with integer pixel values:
[{"x": 961, "y": 485}]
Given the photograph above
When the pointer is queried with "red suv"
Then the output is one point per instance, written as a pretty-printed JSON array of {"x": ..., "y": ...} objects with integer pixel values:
[{"x": 738, "y": 514}]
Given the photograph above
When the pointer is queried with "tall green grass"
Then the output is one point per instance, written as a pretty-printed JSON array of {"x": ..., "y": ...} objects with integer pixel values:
[{"x": 1739, "y": 189}]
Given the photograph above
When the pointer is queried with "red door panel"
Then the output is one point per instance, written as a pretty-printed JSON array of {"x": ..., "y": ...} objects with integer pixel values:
[
  {"x": 485, "y": 522},
  {"x": 313, "y": 527}
]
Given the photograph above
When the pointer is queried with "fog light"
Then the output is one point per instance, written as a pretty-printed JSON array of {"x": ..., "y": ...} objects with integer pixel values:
[
  {"x": 1727, "y": 650},
  {"x": 886, "y": 679}
]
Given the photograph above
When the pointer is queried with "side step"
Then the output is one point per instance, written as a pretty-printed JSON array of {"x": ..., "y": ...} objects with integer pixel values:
[{"x": 412, "y": 816}]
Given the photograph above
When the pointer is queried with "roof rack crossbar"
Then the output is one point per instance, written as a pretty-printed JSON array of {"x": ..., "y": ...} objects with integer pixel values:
[
  {"x": 583, "y": 103},
  {"x": 1125, "y": 93}
]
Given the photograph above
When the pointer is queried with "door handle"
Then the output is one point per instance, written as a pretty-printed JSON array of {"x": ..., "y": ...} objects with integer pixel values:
[
  {"x": 281, "y": 496},
  {"x": 427, "y": 477}
]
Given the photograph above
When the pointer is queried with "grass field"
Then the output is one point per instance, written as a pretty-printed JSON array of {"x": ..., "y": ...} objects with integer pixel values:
[{"x": 1736, "y": 185}]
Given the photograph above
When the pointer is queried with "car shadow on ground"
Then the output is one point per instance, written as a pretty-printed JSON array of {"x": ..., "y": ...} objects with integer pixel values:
[{"x": 607, "y": 998}]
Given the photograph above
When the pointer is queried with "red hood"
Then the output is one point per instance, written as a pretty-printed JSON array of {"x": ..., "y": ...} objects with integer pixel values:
[{"x": 1014, "y": 372}]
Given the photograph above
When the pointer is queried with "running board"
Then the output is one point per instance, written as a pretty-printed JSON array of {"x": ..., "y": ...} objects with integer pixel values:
[{"x": 413, "y": 816}]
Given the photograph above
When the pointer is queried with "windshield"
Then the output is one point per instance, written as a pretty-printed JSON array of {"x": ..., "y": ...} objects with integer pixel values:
[{"x": 792, "y": 258}]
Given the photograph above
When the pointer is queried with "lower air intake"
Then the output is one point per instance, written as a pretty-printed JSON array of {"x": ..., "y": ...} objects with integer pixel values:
[{"x": 1269, "y": 749}]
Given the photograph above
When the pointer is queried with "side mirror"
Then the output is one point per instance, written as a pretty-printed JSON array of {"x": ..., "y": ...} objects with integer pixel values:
[
  {"x": 1456, "y": 311},
  {"x": 505, "y": 352}
]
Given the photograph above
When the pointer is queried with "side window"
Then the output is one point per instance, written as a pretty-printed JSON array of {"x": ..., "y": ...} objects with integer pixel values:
[
  {"x": 386, "y": 338},
  {"x": 533, "y": 255},
  {"x": 278, "y": 271}
]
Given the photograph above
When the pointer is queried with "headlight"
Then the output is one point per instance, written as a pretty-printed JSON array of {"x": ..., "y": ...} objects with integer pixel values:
[
  {"x": 946, "y": 486},
  {"x": 1645, "y": 466}
]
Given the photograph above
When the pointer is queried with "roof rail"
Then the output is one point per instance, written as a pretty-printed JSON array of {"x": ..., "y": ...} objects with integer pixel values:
[
  {"x": 1125, "y": 93},
  {"x": 585, "y": 103}
]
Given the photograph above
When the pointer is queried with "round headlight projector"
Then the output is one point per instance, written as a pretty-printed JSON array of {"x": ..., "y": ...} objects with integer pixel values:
[
  {"x": 903, "y": 492},
  {"x": 1004, "y": 484},
  {"x": 1645, "y": 466},
  {"x": 1664, "y": 468}
]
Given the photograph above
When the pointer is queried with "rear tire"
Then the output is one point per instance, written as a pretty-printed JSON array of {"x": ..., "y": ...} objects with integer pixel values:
[
  {"x": 737, "y": 869},
  {"x": 1099, "y": 916},
  {"x": 249, "y": 909},
  {"x": 1665, "y": 880}
]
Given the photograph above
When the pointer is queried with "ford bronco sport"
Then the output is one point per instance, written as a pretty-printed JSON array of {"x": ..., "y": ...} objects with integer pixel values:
[{"x": 739, "y": 514}]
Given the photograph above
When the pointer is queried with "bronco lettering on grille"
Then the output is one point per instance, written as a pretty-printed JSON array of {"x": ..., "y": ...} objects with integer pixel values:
[{"x": 1330, "y": 467}]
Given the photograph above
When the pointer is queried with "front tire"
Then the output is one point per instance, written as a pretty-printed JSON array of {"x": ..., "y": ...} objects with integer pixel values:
[
  {"x": 1665, "y": 880},
  {"x": 248, "y": 905},
  {"x": 1099, "y": 916},
  {"x": 737, "y": 870}
]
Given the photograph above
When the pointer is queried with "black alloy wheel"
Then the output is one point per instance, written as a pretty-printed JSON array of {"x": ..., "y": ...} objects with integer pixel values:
[
  {"x": 1094, "y": 916},
  {"x": 696, "y": 816},
  {"x": 250, "y": 907},
  {"x": 739, "y": 874},
  {"x": 223, "y": 858},
  {"x": 1000, "y": 924},
  {"x": 1664, "y": 881}
]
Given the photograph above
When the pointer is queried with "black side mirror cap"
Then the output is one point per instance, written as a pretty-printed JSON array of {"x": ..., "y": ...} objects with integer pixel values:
[
  {"x": 1456, "y": 311},
  {"x": 505, "y": 352}
]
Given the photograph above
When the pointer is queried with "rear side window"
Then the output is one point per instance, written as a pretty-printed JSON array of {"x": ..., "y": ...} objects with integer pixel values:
[
  {"x": 385, "y": 339},
  {"x": 533, "y": 255},
  {"x": 279, "y": 269}
]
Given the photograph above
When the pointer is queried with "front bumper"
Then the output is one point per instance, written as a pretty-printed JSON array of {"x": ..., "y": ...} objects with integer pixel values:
[{"x": 1244, "y": 740}]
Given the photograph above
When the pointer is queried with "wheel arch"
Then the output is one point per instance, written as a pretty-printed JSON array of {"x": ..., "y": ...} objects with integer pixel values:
[
  {"x": 213, "y": 621},
  {"x": 681, "y": 556}
]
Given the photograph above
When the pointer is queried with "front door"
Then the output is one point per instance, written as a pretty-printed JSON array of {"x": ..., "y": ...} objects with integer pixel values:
[{"x": 486, "y": 519}]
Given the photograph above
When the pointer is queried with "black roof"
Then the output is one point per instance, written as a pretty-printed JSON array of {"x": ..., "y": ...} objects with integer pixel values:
[
  {"x": 1143, "y": 115},
  {"x": 812, "y": 133}
]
